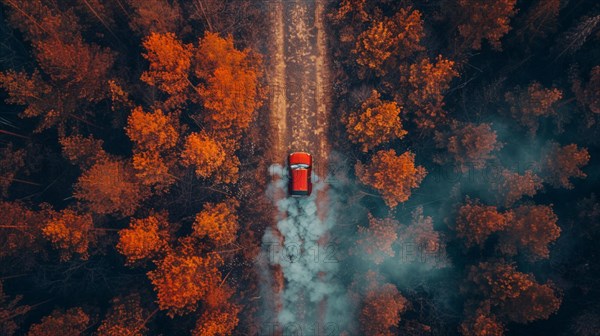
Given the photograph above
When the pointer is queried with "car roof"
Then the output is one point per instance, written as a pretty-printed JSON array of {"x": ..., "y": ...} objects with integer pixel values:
[{"x": 299, "y": 179}]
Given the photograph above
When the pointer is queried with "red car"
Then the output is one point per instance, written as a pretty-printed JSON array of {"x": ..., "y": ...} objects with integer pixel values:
[{"x": 300, "y": 166}]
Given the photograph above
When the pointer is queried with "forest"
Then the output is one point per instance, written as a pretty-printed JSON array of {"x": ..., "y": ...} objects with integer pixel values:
[{"x": 141, "y": 193}]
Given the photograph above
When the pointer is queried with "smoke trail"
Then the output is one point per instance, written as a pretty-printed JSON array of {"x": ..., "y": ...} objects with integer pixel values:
[{"x": 313, "y": 296}]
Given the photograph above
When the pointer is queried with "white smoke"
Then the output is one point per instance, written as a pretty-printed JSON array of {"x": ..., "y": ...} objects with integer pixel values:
[{"x": 313, "y": 296}]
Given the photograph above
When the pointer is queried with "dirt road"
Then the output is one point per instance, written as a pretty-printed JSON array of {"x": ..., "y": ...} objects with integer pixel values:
[{"x": 300, "y": 81}]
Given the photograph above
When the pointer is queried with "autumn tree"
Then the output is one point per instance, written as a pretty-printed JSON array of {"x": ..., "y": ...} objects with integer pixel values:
[
  {"x": 512, "y": 295},
  {"x": 476, "y": 222},
  {"x": 388, "y": 40},
  {"x": 218, "y": 222},
  {"x": 82, "y": 151},
  {"x": 394, "y": 176},
  {"x": 69, "y": 232},
  {"x": 156, "y": 16},
  {"x": 170, "y": 63},
  {"x": 528, "y": 105},
  {"x": 229, "y": 85},
  {"x": 531, "y": 230},
  {"x": 62, "y": 322},
  {"x": 376, "y": 240},
  {"x": 204, "y": 153},
  {"x": 183, "y": 277},
  {"x": 587, "y": 94},
  {"x": 484, "y": 20},
  {"x": 154, "y": 134},
  {"x": 561, "y": 163},
  {"x": 428, "y": 81},
  {"x": 145, "y": 238},
  {"x": 220, "y": 315},
  {"x": 481, "y": 324},
  {"x": 21, "y": 231},
  {"x": 377, "y": 122},
  {"x": 11, "y": 161},
  {"x": 468, "y": 145},
  {"x": 110, "y": 186},
  {"x": 381, "y": 308},
  {"x": 126, "y": 317},
  {"x": 512, "y": 186},
  {"x": 355, "y": 9},
  {"x": 422, "y": 237},
  {"x": 10, "y": 312}
]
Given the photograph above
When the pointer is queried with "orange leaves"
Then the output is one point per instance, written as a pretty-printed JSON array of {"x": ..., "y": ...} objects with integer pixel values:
[
  {"x": 377, "y": 239},
  {"x": 381, "y": 310},
  {"x": 70, "y": 322},
  {"x": 203, "y": 152},
  {"x": 82, "y": 150},
  {"x": 482, "y": 325},
  {"x": 527, "y": 106},
  {"x": 376, "y": 123},
  {"x": 170, "y": 63},
  {"x": 476, "y": 222},
  {"x": 513, "y": 294},
  {"x": 229, "y": 87},
  {"x": 560, "y": 164},
  {"x": 144, "y": 238},
  {"x": 126, "y": 317},
  {"x": 218, "y": 221},
  {"x": 110, "y": 186},
  {"x": 388, "y": 40},
  {"x": 151, "y": 131},
  {"x": 160, "y": 16},
  {"x": 183, "y": 278},
  {"x": 428, "y": 82},
  {"x": 69, "y": 232},
  {"x": 20, "y": 230},
  {"x": 468, "y": 145},
  {"x": 512, "y": 186},
  {"x": 534, "y": 227},
  {"x": 487, "y": 20},
  {"x": 394, "y": 176}
]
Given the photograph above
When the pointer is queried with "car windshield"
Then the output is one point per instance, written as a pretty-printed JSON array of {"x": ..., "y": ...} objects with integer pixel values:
[{"x": 299, "y": 165}]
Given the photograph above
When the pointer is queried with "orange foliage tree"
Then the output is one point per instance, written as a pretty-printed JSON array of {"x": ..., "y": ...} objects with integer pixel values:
[
  {"x": 381, "y": 308},
  {"x": 11, "y": 161},
  {"x": 394, "y": 176},
  {"x": 529, "y": 105},
  {"x": 512, "y": 186},
  {"x": 80, "y": 150},
  {"x": 21, "y": 229},
  {"x": 126, "y": 317},
  {"x": 532, "y": 229},
  {"x": 69, "y": 232},
  {"x": 588, "y": 94},
  {"x": 560, "y": 164},
  {"x": 427, "y": 241},
  {"x": 468, "y": 145},
  {"x": 144, "y": 238},
  {"x": 154, "y": 135},
  {"x": 428, "y": 82},
  {"x": 220, "y": 316},
  {"x": 170, "y": 64},
  {"x": 110, "y": 186},
  {"x": 377, "y": 239},
  {"x": 377, "y": 122},
  {"x": 487, "y": 20},
  {"x": 512, "y": 294},
  {"x": 73, "y": 321},
  {"x": 155, "y": 16},
  {"x": 203, "y": 152},
  {"x": 380, "y": 46},
  {"x": 476, "y": 222},
  {"x": 229, "y": 83},
  {"x": 183, "y": 277},
  {"x": 482, "y": 324},
  {"x": 10, "y": 310},
  {"x": 218, "y": 222}
]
